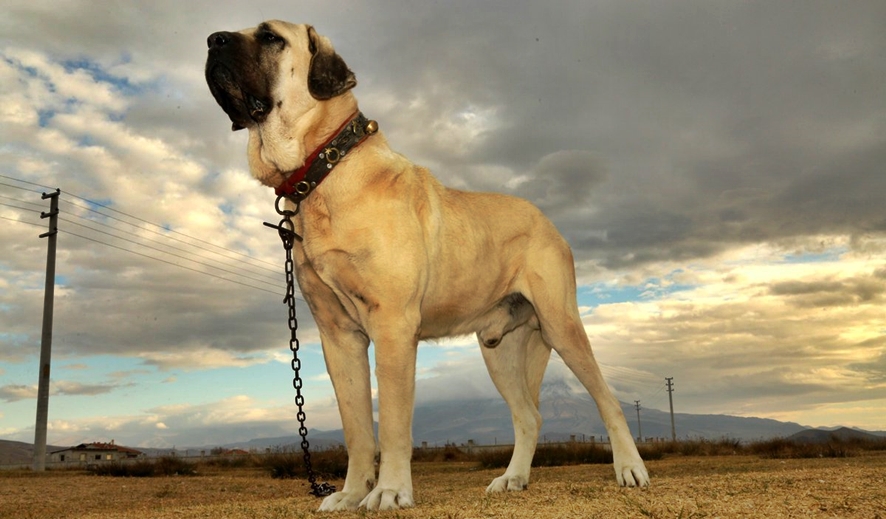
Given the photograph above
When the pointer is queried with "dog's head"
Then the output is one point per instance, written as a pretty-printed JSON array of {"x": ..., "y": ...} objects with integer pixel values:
[{"x": 274, "y": 80}]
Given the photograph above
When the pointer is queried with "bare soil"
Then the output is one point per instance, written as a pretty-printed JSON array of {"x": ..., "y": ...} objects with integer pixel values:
[{"x": 682, "y": 487}]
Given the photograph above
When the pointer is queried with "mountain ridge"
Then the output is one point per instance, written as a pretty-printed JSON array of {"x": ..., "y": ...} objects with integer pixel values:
[{"x": 566, "y": 412}]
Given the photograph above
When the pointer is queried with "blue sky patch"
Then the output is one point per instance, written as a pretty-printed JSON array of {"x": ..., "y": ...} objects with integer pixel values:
[
  {"x": 827, "y": 256},
  {"x": 98, "y": 73}
]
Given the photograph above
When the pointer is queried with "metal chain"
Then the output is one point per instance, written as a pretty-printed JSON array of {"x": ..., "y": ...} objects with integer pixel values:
[{"x": 286, "y": 229}]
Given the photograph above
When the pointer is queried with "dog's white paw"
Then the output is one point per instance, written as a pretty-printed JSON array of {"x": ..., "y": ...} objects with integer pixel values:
[
  {"x": 341, "y": 501},
  {"x": 508, "y": 483},
  {"x": 631, "y": 473},
  {"x": 387, "y": 499}
]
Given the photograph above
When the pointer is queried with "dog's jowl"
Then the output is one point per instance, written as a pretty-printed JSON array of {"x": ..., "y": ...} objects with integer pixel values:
[{"x": 390, "y": 255}]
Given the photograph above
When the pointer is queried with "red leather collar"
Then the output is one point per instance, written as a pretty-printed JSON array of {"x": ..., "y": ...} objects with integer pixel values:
[{"x": 323, "y": 159}]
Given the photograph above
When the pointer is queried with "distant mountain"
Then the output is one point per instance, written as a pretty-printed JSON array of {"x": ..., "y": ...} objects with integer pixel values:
[
  {"x": 19, "y": 453},
  {"x": 317, "y": 439},
  {"x": 825, "y": 435},
  {"x": 565, "y": 413}
]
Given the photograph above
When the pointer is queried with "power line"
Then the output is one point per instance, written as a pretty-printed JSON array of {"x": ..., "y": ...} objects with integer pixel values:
[
  {"x": 19, "y": 208},
  {"x": 167, "y": 262},
  {"x": 656, "y": 394},
  {"x": 167, "y": 252},
  {"x": 213, "y": 254},
  {"x": 173, "y": 238},
  {"x": 165, "y": 234},
  {"x": 21, "y": 221},
  {"x": 629, "y": 377},
  {"x": 157, "y": 226},
  {"x": 21, "y": 201},
  {"x": 25, "y": 182},
  {"x": 135, "y": 239}
]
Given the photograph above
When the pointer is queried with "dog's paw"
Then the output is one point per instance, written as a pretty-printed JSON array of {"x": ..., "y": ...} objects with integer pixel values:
[
  {"x": 632, "y": 473},
  {"x": 387, "y": 499},
  {"x": 341, "y": 501},
  {"x": 508, "y": 483}
]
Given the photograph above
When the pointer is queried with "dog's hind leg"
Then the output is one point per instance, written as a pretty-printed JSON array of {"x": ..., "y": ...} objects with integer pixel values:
[
  {"x": 551, "y": 290},
  {"x": 517, "y": 367}
]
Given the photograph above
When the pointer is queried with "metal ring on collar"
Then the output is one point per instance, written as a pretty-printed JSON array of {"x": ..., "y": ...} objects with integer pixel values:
[{"x": 303, "y": 187}]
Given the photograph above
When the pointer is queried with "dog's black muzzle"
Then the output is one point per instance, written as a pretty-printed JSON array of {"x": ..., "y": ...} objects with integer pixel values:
[{"x": 235, "y": 81}]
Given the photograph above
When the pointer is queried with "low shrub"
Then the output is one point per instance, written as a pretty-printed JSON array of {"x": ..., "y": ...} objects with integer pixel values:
[
  {"x": 576, "y": 454},
  {"x": 780, "y": 448},
  {"x": 331, "y": 463},
  {"x": 447, "y": 453},
  {"x": 166, "y": 466},
  {"x": 229, "y": 462},
  {"x": 549, "y": 456},
  {"x": 172, "y": 466}
]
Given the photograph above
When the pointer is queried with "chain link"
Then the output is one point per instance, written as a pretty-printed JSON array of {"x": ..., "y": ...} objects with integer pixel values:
[{"x": 286, "y": 229}]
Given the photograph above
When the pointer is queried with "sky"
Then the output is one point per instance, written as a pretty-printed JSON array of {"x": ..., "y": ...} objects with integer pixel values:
[{"x": 716, "y": 166}]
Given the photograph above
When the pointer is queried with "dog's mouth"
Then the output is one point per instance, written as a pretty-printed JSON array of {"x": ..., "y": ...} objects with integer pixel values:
[{"x": 242, "y": 106}]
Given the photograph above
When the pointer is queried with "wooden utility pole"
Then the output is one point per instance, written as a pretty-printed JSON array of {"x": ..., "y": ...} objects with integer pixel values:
[
  {"x": 639, "y": 427},
  {"x": 670, "y": 381},
  {"x": 46, "y": 338}
]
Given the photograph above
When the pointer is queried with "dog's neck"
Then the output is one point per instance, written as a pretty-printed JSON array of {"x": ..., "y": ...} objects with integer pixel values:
[{"x": 320, "y": 162}]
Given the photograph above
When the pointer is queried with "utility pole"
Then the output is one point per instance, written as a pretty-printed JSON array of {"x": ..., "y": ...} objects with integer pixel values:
[
  {"x": 639, "y": 427},
  {"x": 46, "y": 338},
  {"x": 670, "y": 381}
]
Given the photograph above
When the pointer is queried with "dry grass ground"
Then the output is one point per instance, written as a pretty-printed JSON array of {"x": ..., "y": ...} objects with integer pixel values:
[{"x": 683, "y": 487}]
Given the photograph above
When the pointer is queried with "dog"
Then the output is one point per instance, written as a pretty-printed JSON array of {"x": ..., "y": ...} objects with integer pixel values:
[{"x": 385, "y": 253}]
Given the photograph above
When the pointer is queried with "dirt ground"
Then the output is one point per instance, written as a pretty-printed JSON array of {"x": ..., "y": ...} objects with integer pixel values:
[{"x": 682, "y": 487}]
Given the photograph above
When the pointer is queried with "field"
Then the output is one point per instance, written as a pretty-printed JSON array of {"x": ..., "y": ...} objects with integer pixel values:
[{"x": 682, "y": 487}]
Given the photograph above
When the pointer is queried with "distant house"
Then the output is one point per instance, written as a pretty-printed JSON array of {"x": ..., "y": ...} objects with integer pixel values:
[
  {"x": 94, "y": 453},
  {"x": 235, "y": 452}
]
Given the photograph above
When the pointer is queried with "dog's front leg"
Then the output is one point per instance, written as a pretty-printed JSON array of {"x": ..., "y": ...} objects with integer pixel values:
[
  {"x": 395, "y": 351},
  {"x": 347, "y": 362}
]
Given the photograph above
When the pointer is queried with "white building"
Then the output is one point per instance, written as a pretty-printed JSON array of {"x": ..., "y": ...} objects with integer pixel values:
[{"x": 94, "y": 453}]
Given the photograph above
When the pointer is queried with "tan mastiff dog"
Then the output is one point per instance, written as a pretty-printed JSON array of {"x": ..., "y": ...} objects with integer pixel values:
[{"x": 391, "y": 256}]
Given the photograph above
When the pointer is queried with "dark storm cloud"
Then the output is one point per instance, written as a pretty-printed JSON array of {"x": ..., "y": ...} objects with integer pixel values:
[{"x": 719, "y": 123}]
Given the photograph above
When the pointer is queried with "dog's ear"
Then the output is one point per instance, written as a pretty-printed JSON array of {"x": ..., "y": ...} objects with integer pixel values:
[{"x": 328, "y": 75}]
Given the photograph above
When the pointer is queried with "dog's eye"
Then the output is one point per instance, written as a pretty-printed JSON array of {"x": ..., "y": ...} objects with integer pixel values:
[{"x": 269, "y": 37}]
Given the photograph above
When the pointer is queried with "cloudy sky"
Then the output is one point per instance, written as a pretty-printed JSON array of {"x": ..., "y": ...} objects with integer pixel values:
[{"x": 718, "y": 168}]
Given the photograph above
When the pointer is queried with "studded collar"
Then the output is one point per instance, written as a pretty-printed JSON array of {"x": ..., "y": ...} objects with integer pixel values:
[{"x": 323, "y": 159}]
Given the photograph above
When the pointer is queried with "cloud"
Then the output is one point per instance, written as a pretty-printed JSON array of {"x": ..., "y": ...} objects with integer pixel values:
[
  {"x": 715, "y": 146},
  {"x": 237, "y": 418},
  {"x": 462, "y": 378},
  {"x": 128, "y": 275},
  {"x": 199, "y": 358},
  {"x": 70, "y": 388},
  {"x": 13, "y": 393},
  {"x": 779, "y": 336},
  {"x": 563, "y": 181}
]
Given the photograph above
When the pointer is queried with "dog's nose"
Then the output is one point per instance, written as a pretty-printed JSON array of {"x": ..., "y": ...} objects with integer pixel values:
[{"x": 218, "y": 39}]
